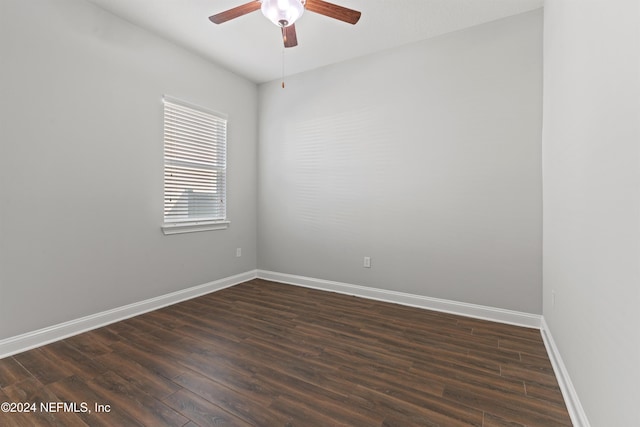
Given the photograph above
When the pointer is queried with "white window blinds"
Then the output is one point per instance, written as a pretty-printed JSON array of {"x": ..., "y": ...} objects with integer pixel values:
[{"x": 195, "y": 162}]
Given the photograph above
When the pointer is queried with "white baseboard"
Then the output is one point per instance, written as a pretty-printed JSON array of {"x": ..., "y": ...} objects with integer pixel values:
[
  {"x": 27, "y": 341},
  {"x": 464, "y": 309},
  {"x": 574, "y": 407},
  {"x": 576, "y": 411}
]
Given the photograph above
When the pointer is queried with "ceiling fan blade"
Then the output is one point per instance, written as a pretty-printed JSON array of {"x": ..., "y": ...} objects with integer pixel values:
[
  {"x": 236, "y": 12},
  {"x": 333, "y": 11},
  {"x": 289, "y": 36}
]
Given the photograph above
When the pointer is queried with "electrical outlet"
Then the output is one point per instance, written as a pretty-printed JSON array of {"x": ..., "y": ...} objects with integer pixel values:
[
  {"x": 367, "y": 262},
  {"x": 238, "y": 252}
]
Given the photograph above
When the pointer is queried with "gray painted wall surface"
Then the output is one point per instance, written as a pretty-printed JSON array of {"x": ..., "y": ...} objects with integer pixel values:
[
  {"x": 591, "y": 158},
  {"x": 81, "y": 170},
  {"x": 425, "y": 158}
]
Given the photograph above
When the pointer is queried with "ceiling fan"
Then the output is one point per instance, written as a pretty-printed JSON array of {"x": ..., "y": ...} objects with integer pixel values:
[{"x": 284, "y": 14}]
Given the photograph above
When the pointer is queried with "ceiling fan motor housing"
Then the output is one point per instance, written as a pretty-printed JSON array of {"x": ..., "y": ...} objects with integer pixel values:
[{"x": 283, "y": 13}]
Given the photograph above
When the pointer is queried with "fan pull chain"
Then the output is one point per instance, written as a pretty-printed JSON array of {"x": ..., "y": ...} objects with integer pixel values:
[{"x": 282, "y": 68}]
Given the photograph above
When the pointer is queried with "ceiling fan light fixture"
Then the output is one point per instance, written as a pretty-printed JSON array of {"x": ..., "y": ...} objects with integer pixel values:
[{"x": 283, "y": 12}]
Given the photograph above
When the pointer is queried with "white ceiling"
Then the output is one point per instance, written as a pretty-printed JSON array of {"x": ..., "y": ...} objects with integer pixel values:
[{"x": 252, "y": 46}]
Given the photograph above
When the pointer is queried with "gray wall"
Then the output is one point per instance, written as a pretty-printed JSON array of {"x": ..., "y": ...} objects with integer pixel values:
[
  {"x": 591, "y": 146},
  {"x": 81, "y": 170},
  {"x": 425, "y": 158}
]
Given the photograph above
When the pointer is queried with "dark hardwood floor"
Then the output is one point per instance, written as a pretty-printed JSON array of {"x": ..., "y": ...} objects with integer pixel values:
[{"x": 268, "y": 354}]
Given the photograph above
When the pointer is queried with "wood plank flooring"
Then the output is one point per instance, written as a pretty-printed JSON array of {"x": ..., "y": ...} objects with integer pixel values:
[{"x": 267, "y": 354}]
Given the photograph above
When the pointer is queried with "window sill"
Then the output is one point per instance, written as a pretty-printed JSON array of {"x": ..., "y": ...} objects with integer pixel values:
[{"x": 192, "y": 227}]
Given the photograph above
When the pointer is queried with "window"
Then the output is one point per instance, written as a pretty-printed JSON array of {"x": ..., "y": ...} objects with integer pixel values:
[{"x": 195, "y": 168}]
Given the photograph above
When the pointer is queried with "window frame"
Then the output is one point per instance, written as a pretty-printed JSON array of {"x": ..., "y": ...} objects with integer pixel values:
[{"x": 190, "y": 225}]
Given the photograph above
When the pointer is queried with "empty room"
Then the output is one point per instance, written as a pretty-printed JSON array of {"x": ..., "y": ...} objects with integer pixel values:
[{"x": 312, "y": 213}]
